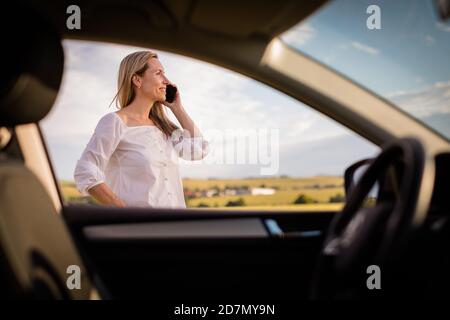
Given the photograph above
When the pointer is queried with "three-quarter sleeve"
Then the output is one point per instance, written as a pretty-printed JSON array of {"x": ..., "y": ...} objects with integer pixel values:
[
  {"x": 90, "y": 168},
  {"x": 189, "y": 148}
]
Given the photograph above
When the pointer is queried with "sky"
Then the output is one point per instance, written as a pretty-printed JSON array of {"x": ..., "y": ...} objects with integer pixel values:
[{"x": 220, "y": 102}]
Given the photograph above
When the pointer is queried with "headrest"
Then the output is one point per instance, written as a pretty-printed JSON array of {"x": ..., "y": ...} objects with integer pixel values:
[{"x": 32, "y": 66}]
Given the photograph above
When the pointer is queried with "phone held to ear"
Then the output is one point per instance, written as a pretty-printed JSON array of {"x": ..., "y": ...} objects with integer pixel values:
[{"x": 170, "y": 93}]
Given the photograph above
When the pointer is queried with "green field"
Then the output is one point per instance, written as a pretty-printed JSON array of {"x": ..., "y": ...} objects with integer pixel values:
[
  {"x": 69, "y": 190},
  {"x": 280, "y": 198},
  {"x": 292, "y": 207},
  {"x": 319, "y": 189},
  {"x": 281, "y": 183}
]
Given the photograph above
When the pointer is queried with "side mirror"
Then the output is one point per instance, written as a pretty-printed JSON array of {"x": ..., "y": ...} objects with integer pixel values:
[{"x": 353, "y": 174}]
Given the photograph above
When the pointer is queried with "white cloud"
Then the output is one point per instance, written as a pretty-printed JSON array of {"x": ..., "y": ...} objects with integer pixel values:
[
  {"x": 434, "y": 99},
  {"x": 299, "y": 35},
  {"x": 87, "y": 89},
  {"x": 364, "y": 48}
]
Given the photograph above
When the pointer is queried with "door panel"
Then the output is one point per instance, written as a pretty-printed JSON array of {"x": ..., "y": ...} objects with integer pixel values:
[{"x": 196, "y": 254}]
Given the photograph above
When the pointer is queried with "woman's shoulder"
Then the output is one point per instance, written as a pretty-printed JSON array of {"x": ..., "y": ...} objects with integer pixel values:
[
  {"x": 109, "y": 121},
  {"x": 111, "y": 117}
]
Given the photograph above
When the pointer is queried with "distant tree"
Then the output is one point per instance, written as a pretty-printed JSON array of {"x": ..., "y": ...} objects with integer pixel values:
[
  {"x": 202, "y": 205},
  {"x": 303, "y": 199},
  {"x": 262, "y": 185},
  {"x": 338, "y": 198},
  {"x": 238, "y": 203}
]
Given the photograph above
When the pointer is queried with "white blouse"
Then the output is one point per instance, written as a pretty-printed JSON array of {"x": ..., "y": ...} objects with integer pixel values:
[{"x": 138, "y": 163}]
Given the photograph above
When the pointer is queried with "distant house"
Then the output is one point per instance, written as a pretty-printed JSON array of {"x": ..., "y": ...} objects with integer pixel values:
[
  {"x": 227, "y": 192},
  {"x": 212, "y": 193},
  {"x": 262, "y": 191},
  {"x": 191, "y": 194},
  {"x": 242, "y": 191},
  {"x": 230, "y": 192}
]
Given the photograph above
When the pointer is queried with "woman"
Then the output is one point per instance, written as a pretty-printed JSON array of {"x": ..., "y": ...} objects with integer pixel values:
[{"x": 132, "y": 157}]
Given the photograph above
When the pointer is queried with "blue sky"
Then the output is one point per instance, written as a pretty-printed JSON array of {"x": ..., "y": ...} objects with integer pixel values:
[
  {"x": 406, "y": 61},
  {"x": 217, "y": 99}
]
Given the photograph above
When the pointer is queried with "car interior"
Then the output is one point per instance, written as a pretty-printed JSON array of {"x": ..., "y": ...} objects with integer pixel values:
[{"x": 206, "y": 255}]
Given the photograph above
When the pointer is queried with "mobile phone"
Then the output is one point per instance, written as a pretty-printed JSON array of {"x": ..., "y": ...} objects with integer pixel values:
[{"x": 170, "y": 93}]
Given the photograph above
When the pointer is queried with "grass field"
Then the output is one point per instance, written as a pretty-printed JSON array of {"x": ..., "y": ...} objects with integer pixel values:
[
  {"x": 319, "y": 189},
  {"x": 69, "y": 190},
  {"x": 281, "y": 183},
  {"x": 292, "y": 207},
  {"x": 280, "y": 198}
]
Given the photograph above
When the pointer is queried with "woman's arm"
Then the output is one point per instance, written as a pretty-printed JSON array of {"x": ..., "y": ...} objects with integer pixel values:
[
  {"x": 185, "y": 120},
  {"x": 89, "y": 172},
  {"x": 193, "y": 146},
  {"x": 103, "y": 194}
]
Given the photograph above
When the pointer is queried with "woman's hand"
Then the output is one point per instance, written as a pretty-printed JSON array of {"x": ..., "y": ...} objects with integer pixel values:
[
  {"x": 119, "y": 203},
  {"x": 103, "y": 194}
]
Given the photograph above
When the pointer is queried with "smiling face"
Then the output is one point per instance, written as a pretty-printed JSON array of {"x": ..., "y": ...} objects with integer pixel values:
[{"x": 153, "y": 82}]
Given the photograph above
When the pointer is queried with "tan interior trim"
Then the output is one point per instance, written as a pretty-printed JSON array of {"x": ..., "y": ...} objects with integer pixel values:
[{"x": 36, "y": 159}]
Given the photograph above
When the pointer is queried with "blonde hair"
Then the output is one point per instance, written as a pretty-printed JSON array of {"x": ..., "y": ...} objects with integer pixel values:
[{"x": 136, "y": 63}]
